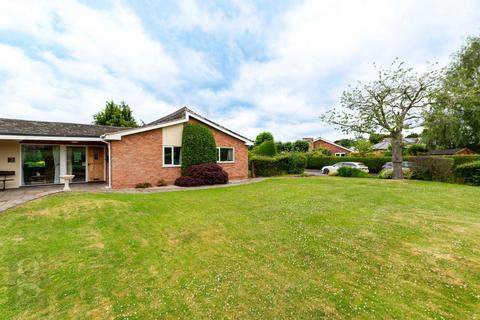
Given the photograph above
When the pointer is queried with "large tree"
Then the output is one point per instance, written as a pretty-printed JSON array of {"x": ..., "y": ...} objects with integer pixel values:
[
  {"x": 391, "y": 104},
  {"x": 454, "y": 120},
  {"x": 117, "y": 115}
]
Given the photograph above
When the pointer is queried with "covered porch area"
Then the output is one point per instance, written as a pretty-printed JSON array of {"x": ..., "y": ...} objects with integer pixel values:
[{"x": 36, "y": 162}]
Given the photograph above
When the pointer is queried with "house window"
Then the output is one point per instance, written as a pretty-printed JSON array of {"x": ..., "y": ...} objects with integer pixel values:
[
  {"x": 225, "y": 155},
  {"x": 11, "y": 159},
  {"x": 172, "y": 156},
  {"x": 340, "y": 154}
]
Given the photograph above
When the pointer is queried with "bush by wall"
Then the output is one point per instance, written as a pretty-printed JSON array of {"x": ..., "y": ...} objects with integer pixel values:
[
  {"x": 203, "y": 174},
  {"x": 351, "y": 172},
  {"x": 374, "y": 164},
  {"x": 186, "y": 181},
  {"x": 198, "y": 146},
  {"x": 293, "y": 163},
  {"x": 469, "y": 173},
  {"x": 266, "y": 148},
  {"x": 208, "y": 173},
  {"x": 433, "y": 168},
  {"x": 388, "y": 173}
]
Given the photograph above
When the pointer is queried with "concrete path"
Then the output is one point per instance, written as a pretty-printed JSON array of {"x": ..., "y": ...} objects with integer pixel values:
[{"x": 14, "y": 197}]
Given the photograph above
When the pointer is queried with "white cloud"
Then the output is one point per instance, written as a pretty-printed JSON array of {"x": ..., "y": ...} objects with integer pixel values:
[
  {"x": 84, "y": 57},
  {"x": 326, "y": 45},
  {"x": 306, "y": 56}
]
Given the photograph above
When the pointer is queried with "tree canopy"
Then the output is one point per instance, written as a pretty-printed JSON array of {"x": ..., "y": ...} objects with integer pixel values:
[
  {"x": 391, "y": 104},
  {"x": 454, "y": 120},
  {"x": 117, "y": 115},
  {"x": 262, "y": 137}
]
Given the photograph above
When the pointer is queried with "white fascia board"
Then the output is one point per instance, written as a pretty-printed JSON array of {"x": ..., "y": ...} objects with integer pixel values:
[
  {"x": 336, "y": 145},
  {"x": 120, "y": 134},
  {"x": 247, "y": 141},
  {"x": 47, "y": 138}
]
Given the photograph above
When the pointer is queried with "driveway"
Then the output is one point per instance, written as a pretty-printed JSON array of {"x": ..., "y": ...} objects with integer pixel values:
[{"x": 13, "y": 197}]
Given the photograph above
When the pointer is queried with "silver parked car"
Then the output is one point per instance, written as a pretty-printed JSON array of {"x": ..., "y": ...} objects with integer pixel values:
[
  {"x": 336, "y": 166},
  {"x": 405, "y": 164}
]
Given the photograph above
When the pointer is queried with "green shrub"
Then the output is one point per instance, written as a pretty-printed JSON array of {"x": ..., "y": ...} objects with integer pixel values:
[
  {"x": 293, "y": 163},
  {"x": 266, "y": 148},
  {"x": 198, "y": 146},
  {"x": 415, "y": 149},
  {"x": 300, "y": 146},
  {"x": 262, "y": 137},
  {"x": 469, "y": 173},
  {"x": 388, "y": 173},
  {"x": 461, "y": 159},
  {"x": 433, "y": 168},
  {"x": 351, "y": 172},
  {"x": 374, "y": 164}
]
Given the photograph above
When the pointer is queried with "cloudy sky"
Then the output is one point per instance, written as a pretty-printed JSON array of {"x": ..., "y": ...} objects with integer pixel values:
[{"x": 250, "y": 65}]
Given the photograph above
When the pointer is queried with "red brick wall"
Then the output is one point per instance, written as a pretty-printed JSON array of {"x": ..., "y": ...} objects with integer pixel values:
[
  {"x": 139, "y": 158},
  {"x": 239, "y": 169},
  {"x": 333, "y": 148}
]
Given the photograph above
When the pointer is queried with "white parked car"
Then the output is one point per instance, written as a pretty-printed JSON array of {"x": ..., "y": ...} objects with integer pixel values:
[{"x": 336, "y": 166}]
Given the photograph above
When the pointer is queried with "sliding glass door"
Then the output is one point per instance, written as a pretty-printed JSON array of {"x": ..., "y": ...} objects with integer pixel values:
[
  {"x": 76, "y": 163},
  {"x": 41, "y": 164}
]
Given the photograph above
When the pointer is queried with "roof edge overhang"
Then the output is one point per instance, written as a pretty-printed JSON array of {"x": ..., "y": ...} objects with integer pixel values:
[
  {"x": 333, "y": 143},
  {"x": 118, "y": 135},
  {"x": 47, "y": 138}
]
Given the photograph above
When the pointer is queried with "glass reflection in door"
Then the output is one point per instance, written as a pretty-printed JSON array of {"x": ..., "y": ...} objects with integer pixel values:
[{"x": 76, "y": 163}]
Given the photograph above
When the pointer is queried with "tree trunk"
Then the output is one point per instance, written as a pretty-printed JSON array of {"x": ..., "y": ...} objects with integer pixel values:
[{"x": 397, "y": 156}]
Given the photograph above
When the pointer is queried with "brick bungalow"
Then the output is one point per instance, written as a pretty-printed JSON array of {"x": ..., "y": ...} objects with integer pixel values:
[
  {"x": 335, "y": 149},
  {"x": 38, "y": 152}
]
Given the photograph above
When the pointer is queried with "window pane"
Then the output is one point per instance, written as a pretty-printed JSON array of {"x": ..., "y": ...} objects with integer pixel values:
[
  {"x": 167, "y": 155},
  {"x": 76, "y": 163},
  {"x": 176, "y": 155},
  {"x": 226, "y": 154},
  {"x": 40, "y": 164},
  {"x": 218, "y": 154}
]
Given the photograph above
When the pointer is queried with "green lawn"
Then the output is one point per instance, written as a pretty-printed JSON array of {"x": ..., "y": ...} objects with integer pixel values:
[{"x": 283, "y": 248}]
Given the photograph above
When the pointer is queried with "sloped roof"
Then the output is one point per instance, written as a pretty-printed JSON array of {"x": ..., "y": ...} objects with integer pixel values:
[
  {"x": 446, "y": 152},
  {"x": 183, "y": 113},
  {"x": 53, "y": 129},
  {"x": 332, "y": 143},
  {"x": 385, "y": 143}
]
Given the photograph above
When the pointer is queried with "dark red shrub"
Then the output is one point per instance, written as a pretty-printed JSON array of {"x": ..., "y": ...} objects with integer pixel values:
[
  {"x": 185, "y": 181},
  {"x": 208, "y": 173}
]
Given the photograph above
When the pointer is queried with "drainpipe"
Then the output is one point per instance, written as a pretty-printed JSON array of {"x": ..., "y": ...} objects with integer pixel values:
[{"x": 109, "y": 148}]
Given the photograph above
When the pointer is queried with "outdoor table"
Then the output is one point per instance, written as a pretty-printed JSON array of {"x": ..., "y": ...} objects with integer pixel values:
[{"x": 6, "y": 174}]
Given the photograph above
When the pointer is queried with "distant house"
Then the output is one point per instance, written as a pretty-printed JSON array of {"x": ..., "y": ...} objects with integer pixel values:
[
  {"x": 449, "y": 152},
  {"x": 384, "y": 145},
  {"x": 334, "y": 148}
]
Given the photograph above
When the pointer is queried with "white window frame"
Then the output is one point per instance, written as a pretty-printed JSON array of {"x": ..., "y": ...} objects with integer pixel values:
[
  {"x": 340, "y": 154},
  {"x": 233, "y": 150},
  {"x": 173, "y": 149}
]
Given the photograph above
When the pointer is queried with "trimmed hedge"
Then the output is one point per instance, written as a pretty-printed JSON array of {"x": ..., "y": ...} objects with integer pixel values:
[
  {"x": 374, "y": 164},
  {"x": 459, "y": 159},
  {"x": 266, "y": 148},
  {"x": 433, "y": 168},
  {"x": 198, "y": 146},
  {"x": 469, "y": 173},
  {"x": 351, "y": 172},
  {"x": 293, "y": 163}
]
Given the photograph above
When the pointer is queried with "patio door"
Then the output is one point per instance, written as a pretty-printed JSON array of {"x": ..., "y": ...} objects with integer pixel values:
[
  {"x": 96, "y": 159},
  {"x": 76, "y": 163},
  {"x": 40, "y": 164}
]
